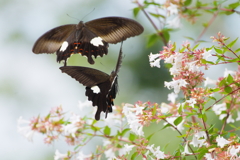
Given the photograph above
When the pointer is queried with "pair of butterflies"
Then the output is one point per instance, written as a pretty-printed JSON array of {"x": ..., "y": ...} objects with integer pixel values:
[{"x": 90, "y": 39}]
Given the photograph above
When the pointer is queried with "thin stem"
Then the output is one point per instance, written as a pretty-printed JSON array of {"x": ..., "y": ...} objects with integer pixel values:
[
  {"x": 205, "y": 29},
  {"x": 154, "y": 25},
  {"x": 185, "y": 140},
  {"x": 225, "y": 122},
  {"x": 222, "y": 98},
  {"x": 230, "y": 50},
  {"x": 205, "y": 128}
]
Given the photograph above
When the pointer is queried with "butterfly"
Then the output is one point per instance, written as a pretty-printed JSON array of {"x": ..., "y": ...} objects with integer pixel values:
[
  {"x": 101, "y": 88},
  {"x": 89, "y": 39}
]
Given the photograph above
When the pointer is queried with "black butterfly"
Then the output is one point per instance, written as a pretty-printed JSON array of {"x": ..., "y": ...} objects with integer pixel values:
[
  {"x": 101, "y": 88},
  {"x": 88, "y": 39}
]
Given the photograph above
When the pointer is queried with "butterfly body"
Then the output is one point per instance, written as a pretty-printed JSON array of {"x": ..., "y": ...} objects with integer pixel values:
[{"x": 89, "y": 39}]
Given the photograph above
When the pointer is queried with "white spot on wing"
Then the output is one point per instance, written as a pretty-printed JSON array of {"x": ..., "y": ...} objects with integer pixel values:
[
  {"x": 97, "y": 41},
  {"x": 95, "y": 89},
  {"x": 64, "y": 46}
]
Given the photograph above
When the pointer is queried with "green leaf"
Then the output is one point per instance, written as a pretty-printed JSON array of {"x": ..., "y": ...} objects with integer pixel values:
[
  {"x": 202, "y": 151},
  {"x": 228, "y": 89},
  {"x": 237, "y": 50},
  {"x": 132, "y": 137},
  {"x": 166, "y": 34},
  {"x": 213, "y": 98},
  {"x": 178, "y": 121},
  {"x": 233, "y": 5},
  {"x": 136, "y": 11},
  {"x": 229, "y": 78},
  {"x": 190, "y": 38},
  {"x": 152, "y": 3},
  {"x": 152, "y": 39},
  {"x": 167, "y": 125},
  {"x": 205, "y": 24},
  {"x": 134, "y": 155},
  {"x": 150, "y": 136},
  {"x": 124, "y": 132},
  {"x": 107, "y": 131},
  {"x": 157, "y": 15},
  {"x": 187, "y": 2},
  {"x": 232, "y": 43},
  {"x": 222, "y": 83},
  {"x": 206, "y": 62},
  {"x": 234, "y": 60},
  {"x": 218, "y": 50},
  {"x": 195, "y": 46}
]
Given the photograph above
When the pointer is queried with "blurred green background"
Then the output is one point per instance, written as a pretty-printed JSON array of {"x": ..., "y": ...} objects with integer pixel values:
[{"x": 30, "y": 85}]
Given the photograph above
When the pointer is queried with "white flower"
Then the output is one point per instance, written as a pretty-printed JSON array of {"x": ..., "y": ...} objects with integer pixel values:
[
  {"x": 172, "y": 97},
  {"x": 174, "y": 23},
  {"x": 73, "y": 126},
  {"x": 106, "y": 142},
  {"x": 59, "y": 156},
  {"x": 208, "y": 156},
  {"x": 176, "y": 85},
  {"x": 199, "y": 139},
  {"x": 154, "y": 60},
  {"x": 165, "y": 108},
  {"x": 177, "y": 63},
  {"x": 83, "y": 105},
  {"x": 152, "y": 57},
  {"x": 132, "y": 119},
  {"x": 238, "y": 116},
  {"x": 193, "y": 67},
  {"x": 230, "y": 119},
  {"x": 191, "y": 102},
  {"x": 125, "y": 150},
  {"x": 172, "y": 9},
  {"x": 112, "y": 119},
  {"x": 155, "y": 63},
  {"x": 207, "y": 54},
  {"x": 159, "y": 154},
  {"x": 138, "y": 110},
  {"x": 221, "y": 142},
  {"x": 186, "y": 151},
  {"x": 82, "y": 156},
  {"x": 227, "y": 72},
  {"x": 170, "y": 59},
  {"x": 26, "y": 131},
  {"x": 171, "y": 121},
  {"x": 209, "y": 81},
  {"x": 218, "y": 108},
  {"x": 156, "y": 152},
  {"x": 233, "y": 151},
  {"x": 110, "y": 154}
]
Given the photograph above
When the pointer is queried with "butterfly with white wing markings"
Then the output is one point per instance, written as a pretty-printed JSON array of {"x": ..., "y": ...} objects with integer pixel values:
[
  {"x": 101, "y": 88},
  {"x": 88, "y": 39}
]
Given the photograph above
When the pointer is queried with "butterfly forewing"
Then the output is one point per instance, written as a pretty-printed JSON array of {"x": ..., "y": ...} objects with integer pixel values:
[
  {"x": 115, "y": 29},
  {"x": 52, "y": 40}
]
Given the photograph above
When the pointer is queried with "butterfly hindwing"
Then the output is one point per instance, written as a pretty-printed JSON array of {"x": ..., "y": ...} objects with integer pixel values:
[
  {"x": 81, "y": 42},
  {"x": 87, "y": 76}
]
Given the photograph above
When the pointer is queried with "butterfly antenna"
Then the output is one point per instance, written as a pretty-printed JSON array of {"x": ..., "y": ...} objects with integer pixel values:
[
  {"x": 72, "y": 17},
  {"x": 119, "y": 62},
  {"x": 88, "y": 13}
]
